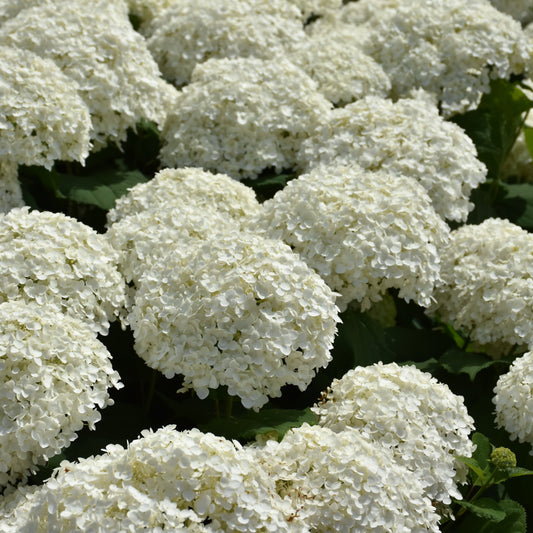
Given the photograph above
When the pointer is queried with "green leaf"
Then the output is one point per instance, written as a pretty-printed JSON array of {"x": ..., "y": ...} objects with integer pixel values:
[
  {"x": 528, "y": 134},
  {"x": 100, "y": 189},
  {"x": 273, "y": 423},
  {"x": 485, "y": 508},
  {"x": 517, "y": 205},
  {"x": 481, "y": 474},
  {"x": 495, "y": 124},
  {"x": 362, "y": 340},
  {"x": 483, "y": 449},
  {"x": 459, "y": 362},
  {"x": 513, "y": 522},
  {"x": 503, "y": 475}
]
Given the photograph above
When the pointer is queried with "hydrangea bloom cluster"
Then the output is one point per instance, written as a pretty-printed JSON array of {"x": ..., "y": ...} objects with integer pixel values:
[
  {"x": 362, "y": 231},
  {"x": 487, "y": 287},
  {"x": 10, "y": 191},
  {"x": 343, "y": 72},
  {"x": 241, "y": 116},
  {"x": 409, "y": 412},
  {"x": 144, "y": 239},
  {"x": 191, "y": 31},
  {"x": 406, "y": 137},
  {"x": 513, "y": 398},
  {"x": 175, "y": 209},
  {"x": 167, "y": 480},
  {"x": 451, "y": 49},
  {"x": 55, "y": 260},
  {"x": 42, "y": 116},
  {"x": 54, "y": 374},
  {"x": 96, "y": 46},
  {"x": 185, "y": 188},
  {"x": 344, "y": 482},
  {"x": 240, "y": 311}
]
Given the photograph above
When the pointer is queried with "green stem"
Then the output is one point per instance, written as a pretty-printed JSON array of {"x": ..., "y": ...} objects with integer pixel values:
[{"x": 228, "y": 405}]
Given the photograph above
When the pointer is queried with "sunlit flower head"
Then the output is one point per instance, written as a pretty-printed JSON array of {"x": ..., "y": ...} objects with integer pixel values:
[
  {"x": 54, "y": 260},
  {"x": 238, "y": 311},
  {"x": 411, "y": 413},
  {"x": 487, "y": 287},
  {"x": 362, "y": 231},
  {"x": 242, "y": 116},
  {"x": 54, "y": 376}
]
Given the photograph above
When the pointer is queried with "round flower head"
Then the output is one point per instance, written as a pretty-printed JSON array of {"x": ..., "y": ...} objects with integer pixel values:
[
  {"x": 54, "y": 375},
  {"x": 343, "y": 72},
  {"x": 144, "y": 239},
  {"x": 242, "y": 116},
  {"x": 406, "y": 137},
  {"x": 521, "y": 10},
  {"x": 513, "y": 398},
  {"x": 238, "y": 311},
  {"x": 42, "y": 116},
  {"x": 95, "y": 45},
  {"x": 410, "y": 412},
  {"x": 10, "y": 191},
  {"x": 344, "y": 482},
  {"x": 55, "y": 260},
  {"x": 362, "y": 231},
  {"x": 487, "y": 287},
  {"x": 450, "y": 48},
  {"x": 188, "y": 188},
  {"x": 167, "y": 480},
  {"x": 191, "y": 31}
]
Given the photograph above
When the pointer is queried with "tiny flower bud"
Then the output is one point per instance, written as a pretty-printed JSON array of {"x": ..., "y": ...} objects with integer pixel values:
[{"x": 503, "y": 458}]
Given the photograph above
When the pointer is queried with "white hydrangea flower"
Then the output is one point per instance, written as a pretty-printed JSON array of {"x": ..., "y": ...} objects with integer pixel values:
[
  {"x": 513, "y": 398},
  {"x": 94, "y": 44},
  {"x": 242, "y": 116},
  {"x": 54, "y": 375},
  {"x": 362, "y": 231},
  {"x": 144, "y": 239},
  {"x": 176, "y": 209},
  {"x": 343, "y": 72},
  {"x": 410, "y": 412},
  {"x": 55, "y": 260},
  {"x": 10, "y": 191},
  {"x": 521, "y": 10},
  {"x": 165, "y": 480},
  {"x": 406, "y": 137},
  {"x": 188, "y": 188},
  {"x": 450, "y": 48},
  {"x": 344, "y": 482},
  {"x": 192, "y": 31},
  {"x": 42, "y": 116},
  {"x": 487, "y": 287},
  {"x": 238, "y": 311}
]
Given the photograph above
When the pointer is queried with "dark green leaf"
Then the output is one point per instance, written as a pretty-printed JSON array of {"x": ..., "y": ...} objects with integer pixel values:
[
  {"x": 457, "y": 361},
  {"x": 503, "y": 475},
  {"x": 513, "y": 522},
  {"x": 495, "y": 124},
  {"x": 100, "y": 189},
  {"x": 362, "y": 340},
  {"x": 272, "y": 422},
  {"x": 517, "y": 205},
  {"x": 483, "y": 449},
  {"x": 485, "y": 508}
]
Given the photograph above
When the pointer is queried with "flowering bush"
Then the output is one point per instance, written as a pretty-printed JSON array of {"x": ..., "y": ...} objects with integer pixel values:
[{"x": 310, "y": 220}]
